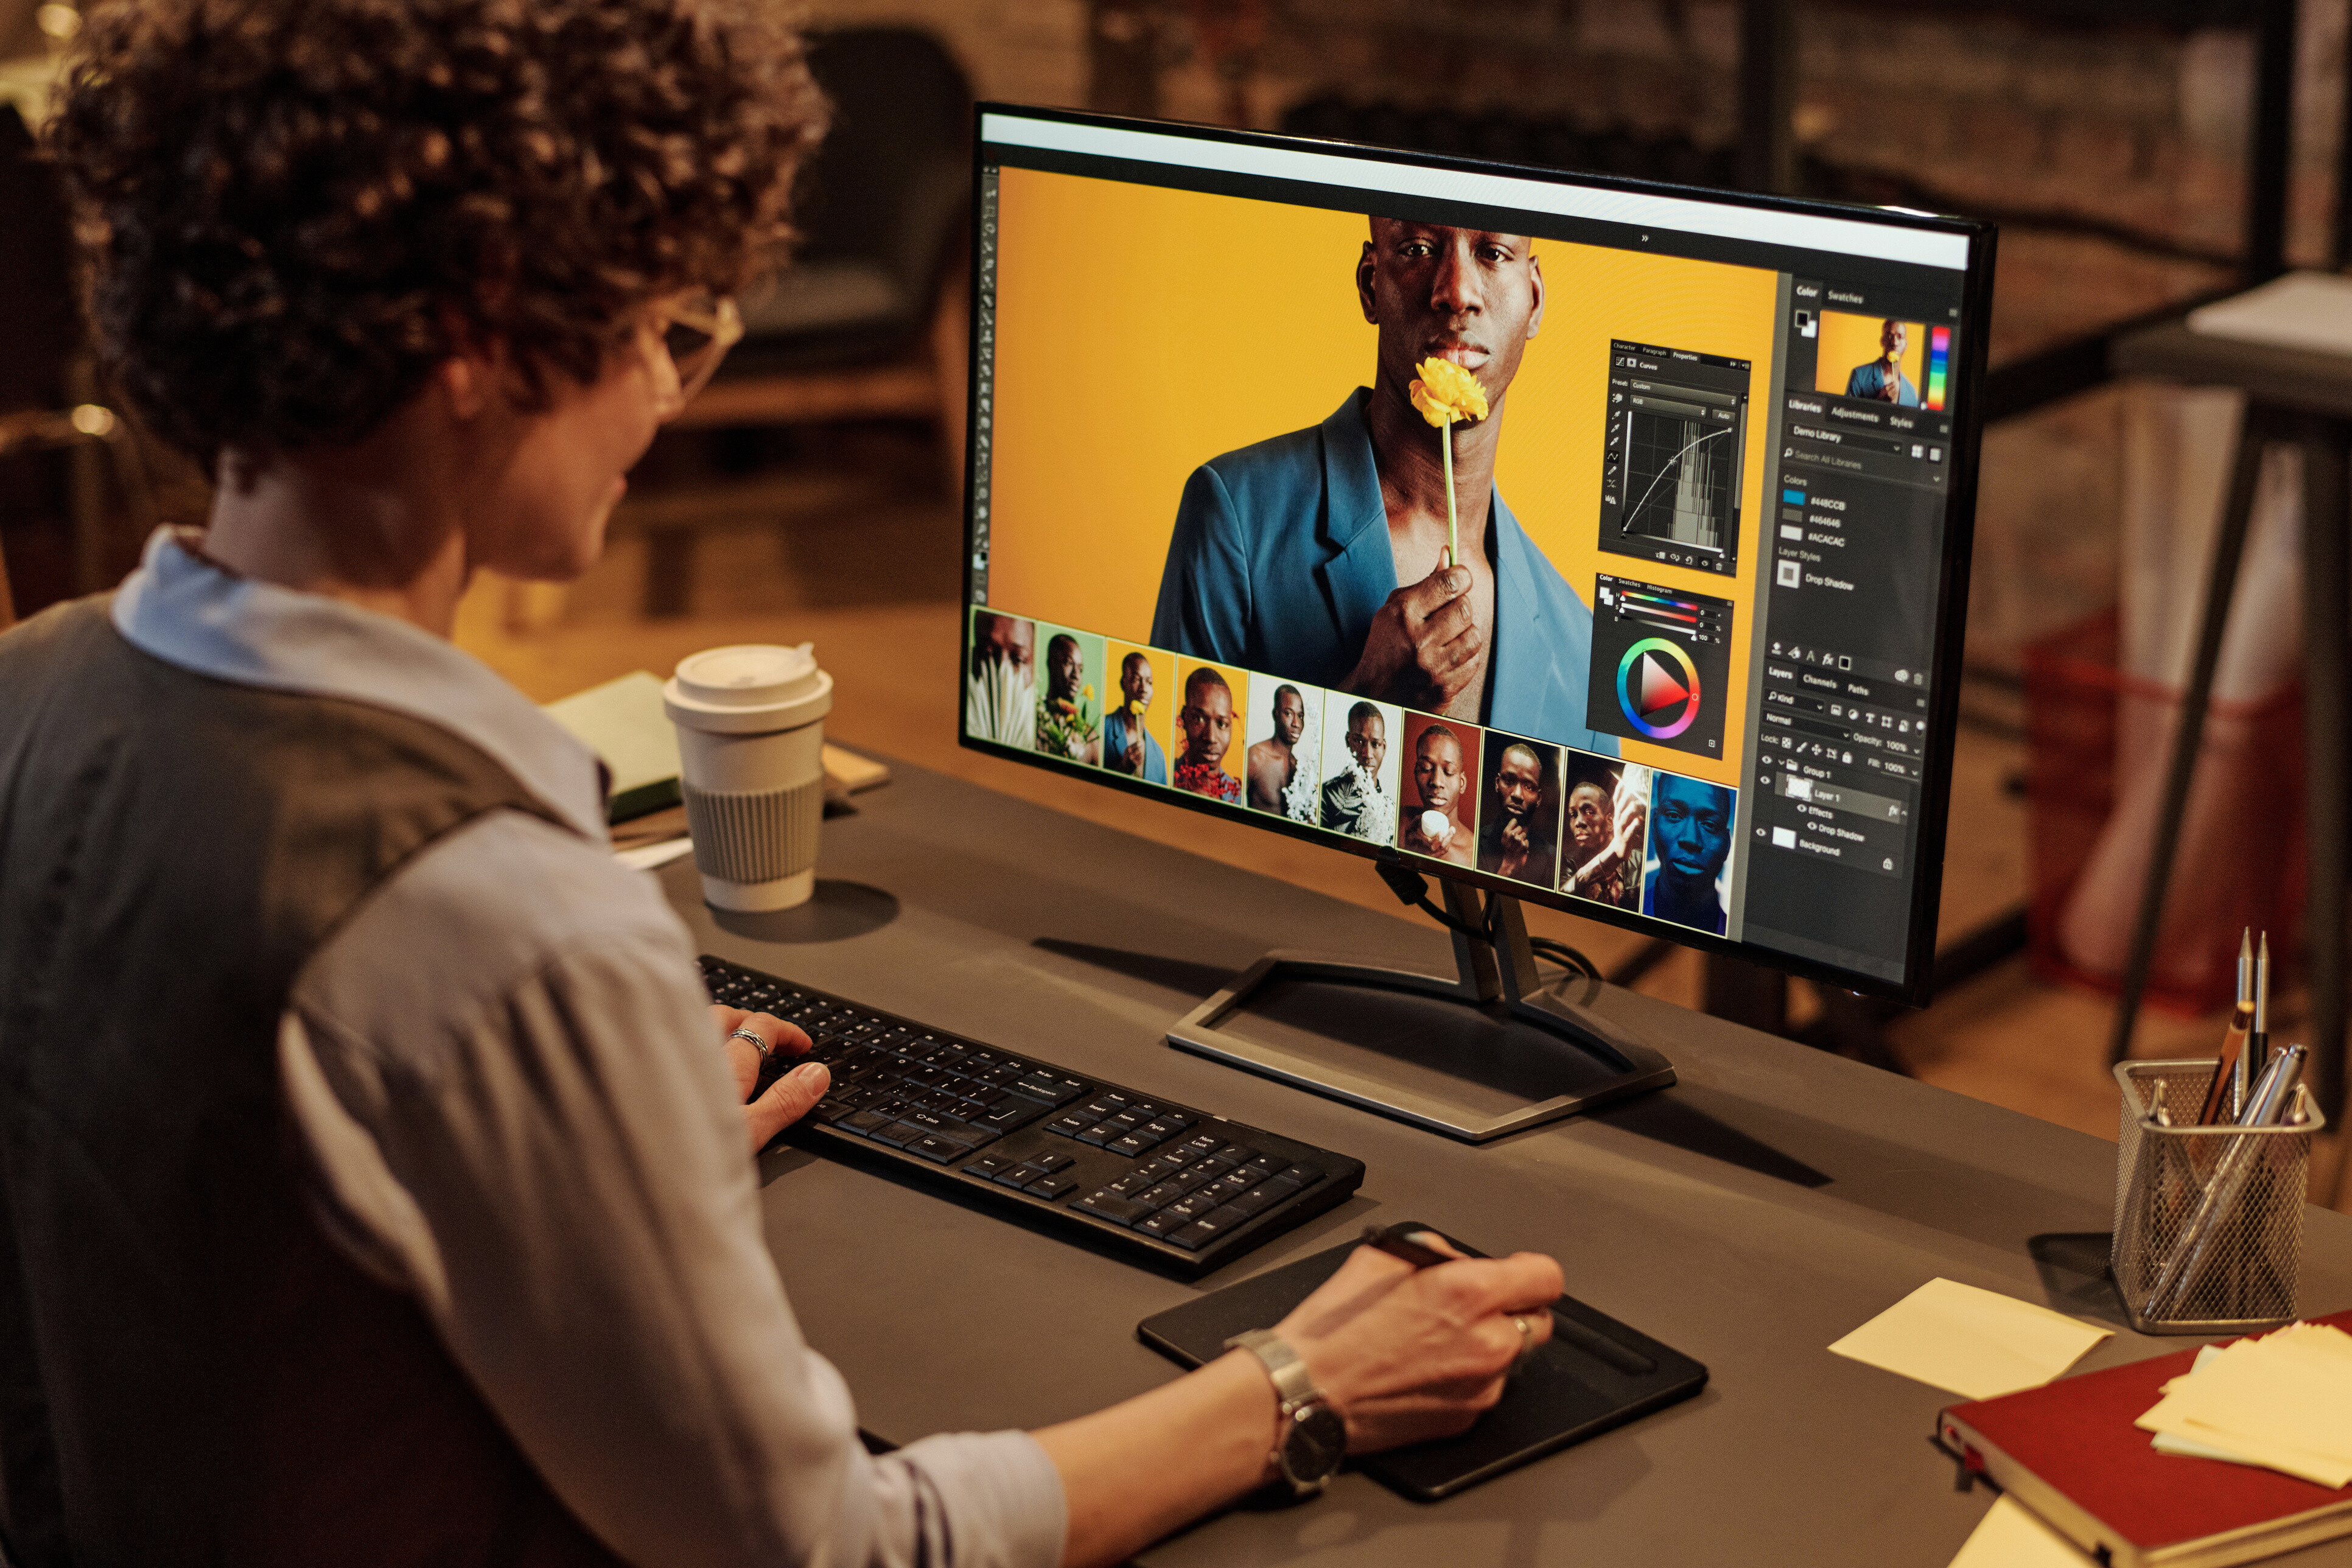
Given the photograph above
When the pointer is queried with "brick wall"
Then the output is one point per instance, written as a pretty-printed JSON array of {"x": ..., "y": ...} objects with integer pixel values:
[{"x": 2114, "y": 157}]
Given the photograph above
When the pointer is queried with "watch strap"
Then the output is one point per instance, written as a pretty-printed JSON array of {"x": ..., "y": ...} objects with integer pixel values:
[{"x": 1294, "y": 1385}]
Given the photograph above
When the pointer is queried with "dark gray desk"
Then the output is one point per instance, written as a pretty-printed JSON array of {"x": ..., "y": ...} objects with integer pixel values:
[{"x": 1774, "y": 1199}]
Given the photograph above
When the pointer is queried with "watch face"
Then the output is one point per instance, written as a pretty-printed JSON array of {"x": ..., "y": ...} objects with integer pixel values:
[{"x": 1316, "y": 1444}]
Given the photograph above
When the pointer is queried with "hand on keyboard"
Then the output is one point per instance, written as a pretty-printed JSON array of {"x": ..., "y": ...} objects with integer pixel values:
[
  {"x": 788, "y": 1098},
  {"x": 1406, "y": 1354}
]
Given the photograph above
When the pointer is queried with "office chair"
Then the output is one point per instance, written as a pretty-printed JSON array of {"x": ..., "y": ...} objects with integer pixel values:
[
  {"x": 868, "y": 319},
  {"x": 48, "y": 384}
]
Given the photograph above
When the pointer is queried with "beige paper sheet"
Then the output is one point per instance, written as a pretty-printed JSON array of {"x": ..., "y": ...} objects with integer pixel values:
[
  {"x": 2013, "y": 1536},
  {"x": 1977, "y": 1343}
]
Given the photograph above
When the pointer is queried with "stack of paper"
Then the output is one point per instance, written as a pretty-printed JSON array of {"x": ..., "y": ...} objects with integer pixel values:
[{"x": 2283, "y": 1402}]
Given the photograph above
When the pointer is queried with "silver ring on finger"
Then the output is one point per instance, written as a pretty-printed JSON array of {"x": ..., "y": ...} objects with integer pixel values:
[
  {"x": 766, "y": 1049},
  {"x": 1526, "y": 1342}
]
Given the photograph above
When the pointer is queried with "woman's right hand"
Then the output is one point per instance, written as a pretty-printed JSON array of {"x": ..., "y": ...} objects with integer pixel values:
[{"x": 1404, "y": 1354}]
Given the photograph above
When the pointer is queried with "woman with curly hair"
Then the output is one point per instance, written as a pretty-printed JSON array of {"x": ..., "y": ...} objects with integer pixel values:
[{"x": 371, "y": 1189}]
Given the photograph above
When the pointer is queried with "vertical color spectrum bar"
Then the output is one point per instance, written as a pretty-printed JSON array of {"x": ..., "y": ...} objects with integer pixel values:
[{"x": 1939, "y": 363}]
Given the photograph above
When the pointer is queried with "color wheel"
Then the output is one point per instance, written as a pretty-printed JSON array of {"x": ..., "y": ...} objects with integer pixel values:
[{"x": 1657, "y": 686}]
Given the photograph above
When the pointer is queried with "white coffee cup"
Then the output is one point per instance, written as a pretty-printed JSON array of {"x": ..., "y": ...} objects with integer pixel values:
[{"x": 751, "y": 734}]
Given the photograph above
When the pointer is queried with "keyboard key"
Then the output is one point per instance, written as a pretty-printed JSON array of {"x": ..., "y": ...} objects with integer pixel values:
[
  {"x": 1226, "y": 1188},
  {"x": 989, "y": 1165},
  {"x": 1193, "y": 1236},
  {"x": 940, "y": 1150},
  {"x": 1305, "y": 1175},
  {"x": 1021, "y": 1176},
  {"x": 1266, "y": 1165},
  {"x": 1129, "y": 1186},
  {"x": 1053, "y": 1160},
  {"x": 1202, "y": 1147},
  {"x": 1130, "y": 1145},
  {"x": 1048, "y": 1087},
  {"x": 1051, "y": 1186},
  {"x": 1222, "y": 1220},
  {"x": 1069, "y": 1126},
  {"x": 1258, "y": 1200},
  {"x": 1160, "y": 1196},
  {"x": 1109, "y": 1205},
  {"x": 868, "y": 1121},
  {"x": 1236, "y": 1153},
  {"x": 1100, "y": 1134},
  {"x": 898, "y": 1134},
  {"x": 1160, "y": 1224},
  {"x": 1193, "y": 1207},
  {"x": 1162, "y": 1168},
  {"x": 1012, "y": 1113}
]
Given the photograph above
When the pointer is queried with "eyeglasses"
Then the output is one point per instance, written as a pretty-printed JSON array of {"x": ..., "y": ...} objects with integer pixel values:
[{"x": 696, "y": 330}]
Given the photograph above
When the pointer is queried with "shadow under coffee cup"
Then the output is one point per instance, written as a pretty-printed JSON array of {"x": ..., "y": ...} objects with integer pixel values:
[{"x": 751, "y": 736}]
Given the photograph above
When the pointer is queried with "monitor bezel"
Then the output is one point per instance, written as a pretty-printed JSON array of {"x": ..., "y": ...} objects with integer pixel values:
[{"x": 1917, "y": 987}]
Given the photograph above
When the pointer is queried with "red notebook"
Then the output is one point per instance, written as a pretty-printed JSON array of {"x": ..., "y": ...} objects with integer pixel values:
[{"x": 2068, "y": 1450}]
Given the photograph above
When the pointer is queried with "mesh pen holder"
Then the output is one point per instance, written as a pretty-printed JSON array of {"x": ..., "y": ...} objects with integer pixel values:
[{"x": 2208, "y": 1220}]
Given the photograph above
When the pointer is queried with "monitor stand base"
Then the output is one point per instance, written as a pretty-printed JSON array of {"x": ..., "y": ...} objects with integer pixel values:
[{"x": 1484, "y": 1054}]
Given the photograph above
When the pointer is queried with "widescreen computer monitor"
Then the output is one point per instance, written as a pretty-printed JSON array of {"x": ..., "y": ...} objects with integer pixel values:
[{"x": 1573, "y": 540}]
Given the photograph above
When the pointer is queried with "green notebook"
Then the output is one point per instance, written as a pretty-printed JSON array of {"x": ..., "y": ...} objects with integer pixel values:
[{"x": 623, "y": 722}]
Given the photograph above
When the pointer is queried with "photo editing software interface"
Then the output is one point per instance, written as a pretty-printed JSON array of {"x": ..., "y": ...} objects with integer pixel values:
[{"x": 1700, "y": 471}]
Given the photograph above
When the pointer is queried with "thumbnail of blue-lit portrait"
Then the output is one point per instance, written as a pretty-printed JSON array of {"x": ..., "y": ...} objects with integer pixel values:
[{"x": 1689, "y": 872}]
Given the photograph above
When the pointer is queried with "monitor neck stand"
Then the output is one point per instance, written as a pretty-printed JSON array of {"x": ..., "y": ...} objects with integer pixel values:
[{"x": 1487, "y": 1053}]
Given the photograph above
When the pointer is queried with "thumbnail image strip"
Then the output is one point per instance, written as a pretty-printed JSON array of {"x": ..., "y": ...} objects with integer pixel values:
[
  {"x": 1284, "y": 731},
  {"x": 1000, "y": 692},
  {"x": 1213, "y": 699},
  {"x": 1606, "y": 833},
  {"x": 1360, "y": 763},
  {"x": 1688, "y": 877},
  {"x": 1069, "y": 711},
  {"x": 1138, "y": 729},
  {"x": 1518, "y": 810},
  {"x": 1441, "y": 804}
]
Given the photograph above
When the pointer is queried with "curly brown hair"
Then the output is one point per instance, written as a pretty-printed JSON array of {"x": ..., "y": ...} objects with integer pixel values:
[{"x": 294, "y": 209}]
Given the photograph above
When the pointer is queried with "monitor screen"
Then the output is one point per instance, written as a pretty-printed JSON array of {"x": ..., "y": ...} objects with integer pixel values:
[{"x": 1601, "y": 543}]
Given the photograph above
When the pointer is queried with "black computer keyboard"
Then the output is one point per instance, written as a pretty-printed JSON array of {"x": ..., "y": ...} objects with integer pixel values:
[{"x": 1130, "y": 1173}]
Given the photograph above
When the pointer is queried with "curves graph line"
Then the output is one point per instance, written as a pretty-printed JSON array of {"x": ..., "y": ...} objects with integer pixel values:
[{"x": 1663, "y": 470}]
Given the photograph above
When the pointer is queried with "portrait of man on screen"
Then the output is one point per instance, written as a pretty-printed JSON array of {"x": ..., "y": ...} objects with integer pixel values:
[{"x": 1319, "y": 555}]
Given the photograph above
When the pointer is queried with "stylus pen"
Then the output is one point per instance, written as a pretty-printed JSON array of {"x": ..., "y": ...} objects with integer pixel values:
[
  {"x": 2258, "y": 1043},
  {"x": 2227, "y": 1093},
  {"x": 1396, "y": 1240}
]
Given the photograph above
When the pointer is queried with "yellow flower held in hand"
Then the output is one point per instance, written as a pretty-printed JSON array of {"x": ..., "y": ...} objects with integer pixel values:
[
  {"x": 1447, "y": 391},
  {"x": 1444, "y": 393}
]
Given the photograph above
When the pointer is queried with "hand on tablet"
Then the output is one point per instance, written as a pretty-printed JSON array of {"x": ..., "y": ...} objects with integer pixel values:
[{"x": 1405, "y": 1354}]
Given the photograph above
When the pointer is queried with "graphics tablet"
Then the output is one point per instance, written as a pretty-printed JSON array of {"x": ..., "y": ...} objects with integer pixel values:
[{"x": 1595, "y": 1374}]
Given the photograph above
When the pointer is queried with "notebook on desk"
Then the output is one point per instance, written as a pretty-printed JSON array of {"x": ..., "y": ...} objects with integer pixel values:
[
  {"x": 1595, "y": 1374},
  {"x": 2069, "y": 1451}
]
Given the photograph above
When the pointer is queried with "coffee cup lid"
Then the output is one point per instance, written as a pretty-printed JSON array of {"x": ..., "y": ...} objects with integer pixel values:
[{"x": 749, "y": 687}]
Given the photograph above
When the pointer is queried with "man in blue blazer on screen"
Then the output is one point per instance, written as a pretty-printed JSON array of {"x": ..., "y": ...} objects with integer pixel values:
[{"x": 1319, "y": 555}]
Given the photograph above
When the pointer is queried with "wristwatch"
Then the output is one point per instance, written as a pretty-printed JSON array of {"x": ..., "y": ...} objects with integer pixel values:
[{"x": 1312, "y": 1439}]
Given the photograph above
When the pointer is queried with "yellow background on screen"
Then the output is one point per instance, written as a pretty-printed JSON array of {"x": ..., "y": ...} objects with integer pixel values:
[
  {"x": 1141, "y": 331},
  {"x": 1849, "y": 342}
]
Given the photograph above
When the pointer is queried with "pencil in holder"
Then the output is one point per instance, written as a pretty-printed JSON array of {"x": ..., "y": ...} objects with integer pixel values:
[{"x": 2208, "y": 1220}]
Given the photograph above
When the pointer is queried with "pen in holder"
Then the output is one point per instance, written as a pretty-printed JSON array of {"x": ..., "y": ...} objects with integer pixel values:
[{"x": 2209, "y": 1219}]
